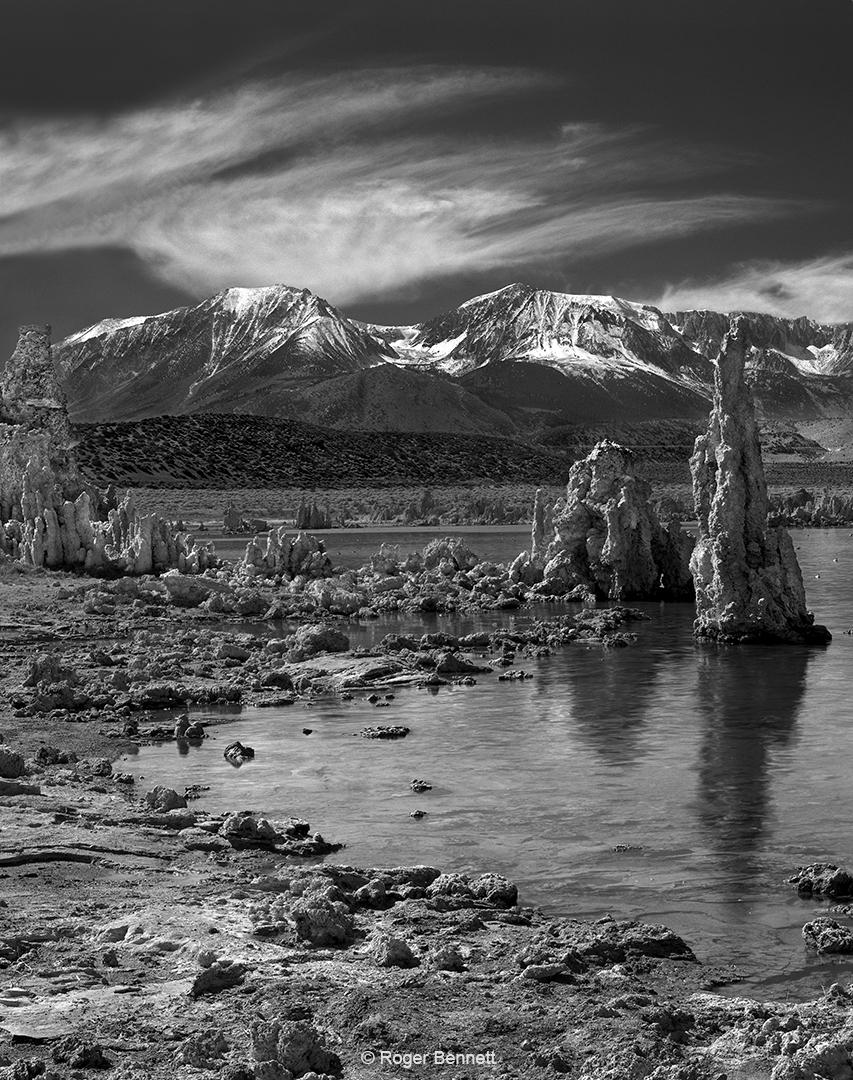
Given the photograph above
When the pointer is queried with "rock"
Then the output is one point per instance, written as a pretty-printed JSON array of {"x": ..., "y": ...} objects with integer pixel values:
[
  {"x": 52, "y": 755},
  {"x": 229, "y": 651},
  {"x": 447, "y": 958},
  {"x": 388, "y": 951},
  {"x": 491, "y": 889},
  {"x": 77, "y": 1054},
  {"x": 286, "y": 556},
  {"x": 52, "y": 519},
  {"x": 236, "y": 753},
  {"x": 279, "y": 680},
  {"x": 419, "y": 786},
  {"x": 451, "y": 553},
  {"x": 289, "y": 1048},
  {"x": 828, "y": 936},
  {"x": 417, "y": 814},
  {"x": 527, "y": 569},
  {"x": 748, "y": 583},
  {"x": 221, "y": 975},
  {"x": 823, "y": 879},
  {"x": 232, "y": 520},
  {"x": 246, "y": 830},
  {"x": 310, "y": 516},
  {"x": 190, "y": 591},
  {"x": 322, "y": 922},
  {"x": 202, "y": 1050},
  {"x": 45, "y": 669},
  {"x": 540, "y": 532},
  {"x": 383, "y": 732},
  {"x": 608, "y": 538},
  {"x": 311, "y": 640},
  {"x": 495, "y": 889},
  {"x": 12, "y": 764},
  {"x": 163, "y": 799},
  {"x": 451, "y": 663},
  {"x": 578, "y": 945},
  {"x": 162, "y": 696},
  {"x": 15, "y": 787}
]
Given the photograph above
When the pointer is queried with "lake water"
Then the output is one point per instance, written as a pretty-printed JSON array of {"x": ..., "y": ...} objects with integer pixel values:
[
  {"x": 720, "y": 769},
  {"x": 352, "y": 547}
]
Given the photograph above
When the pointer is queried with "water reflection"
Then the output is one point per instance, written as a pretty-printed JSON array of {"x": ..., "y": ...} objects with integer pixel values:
[
  {"x": 610, "y": 695},
  {"x": 749, "y": 698}
]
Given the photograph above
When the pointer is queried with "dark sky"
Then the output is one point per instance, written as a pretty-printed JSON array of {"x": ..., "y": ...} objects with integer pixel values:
[{"x": 399, "y": 158}]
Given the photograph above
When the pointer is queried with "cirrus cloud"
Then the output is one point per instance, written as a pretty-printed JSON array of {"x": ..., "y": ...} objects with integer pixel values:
[
  {"x": 349, "y": 186},
  {"x": 821, "y": 288}
]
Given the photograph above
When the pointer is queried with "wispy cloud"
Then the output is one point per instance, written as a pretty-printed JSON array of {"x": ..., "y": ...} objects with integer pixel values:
[
  {"x": 821, "y": 288},
  {"x": 343, "y": 185}
]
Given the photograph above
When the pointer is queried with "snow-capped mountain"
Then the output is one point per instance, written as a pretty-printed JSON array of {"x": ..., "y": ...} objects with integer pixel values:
[
  {"x": 519, "y": 359},
  {"x": 236, "y": 352}
]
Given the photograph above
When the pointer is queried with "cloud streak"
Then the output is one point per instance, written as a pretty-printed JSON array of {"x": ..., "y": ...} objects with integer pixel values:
[
  {"x": 821, "y": 288},
  {"x": 343, "y": 185}
]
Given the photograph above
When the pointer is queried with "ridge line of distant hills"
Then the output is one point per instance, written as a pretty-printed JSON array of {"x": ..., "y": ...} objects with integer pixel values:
[{"x": 511, "y": 384}]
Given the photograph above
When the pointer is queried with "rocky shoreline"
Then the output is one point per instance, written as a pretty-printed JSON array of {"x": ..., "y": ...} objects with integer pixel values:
[{"x": 145, "y": 938}]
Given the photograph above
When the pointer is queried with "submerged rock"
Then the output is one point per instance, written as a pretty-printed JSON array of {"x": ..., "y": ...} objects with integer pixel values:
[
  {"x": 609, "y": 539},
  {"x": 748, "y": 583}
]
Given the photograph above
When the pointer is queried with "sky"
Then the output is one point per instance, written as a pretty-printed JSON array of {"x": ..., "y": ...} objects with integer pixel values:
[{"x": 399, "y": 158}]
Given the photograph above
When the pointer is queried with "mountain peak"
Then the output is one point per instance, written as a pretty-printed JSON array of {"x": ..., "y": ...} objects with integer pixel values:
[{"x": 278, "y": 350}]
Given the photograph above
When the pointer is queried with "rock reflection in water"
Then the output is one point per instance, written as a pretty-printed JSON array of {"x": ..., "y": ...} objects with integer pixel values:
[{"x": 749, "y": 702}]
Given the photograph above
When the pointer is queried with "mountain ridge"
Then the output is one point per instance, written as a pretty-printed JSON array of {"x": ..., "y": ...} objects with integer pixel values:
[{"x": 516, "y": 361}]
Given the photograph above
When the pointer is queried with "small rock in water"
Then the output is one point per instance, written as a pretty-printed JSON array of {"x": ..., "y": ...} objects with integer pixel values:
[
  {"x": 307, "y": 731},
  {"x": 420, "y": 785},
  {"x": 383, "y": 732},
  {"x": 514, "y": 676},
  {"x": 194, "y": 791},
  {"x": 418, "y": 813},
  {"x": 236, "y": 753}
]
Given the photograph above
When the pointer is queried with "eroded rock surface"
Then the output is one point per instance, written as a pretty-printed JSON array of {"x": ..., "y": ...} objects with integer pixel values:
[
  {"x": 608, "y": 539},
  {"x": 748, "y": 583},
  {"x": 50, "y": 518}
]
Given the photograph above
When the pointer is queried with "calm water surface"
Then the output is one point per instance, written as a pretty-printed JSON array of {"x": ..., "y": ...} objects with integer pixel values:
[
  {"x": 353, "y": 547},
  {"x": 721, "y": 769}
]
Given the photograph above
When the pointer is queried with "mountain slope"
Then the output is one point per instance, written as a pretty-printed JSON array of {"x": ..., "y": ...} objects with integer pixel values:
[
  {"x": 391, "y": 398},
  {"x": 209, "y": 450},
  {"x": 520, "y": 360},
  {"x": 240, "y": 351}
]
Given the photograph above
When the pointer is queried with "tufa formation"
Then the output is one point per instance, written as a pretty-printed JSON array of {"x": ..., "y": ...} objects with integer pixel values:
[
  {"x": 607, "y": 538},
  {"x": 47, "y": 516},
  {"x": 748, "y": 583}
]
